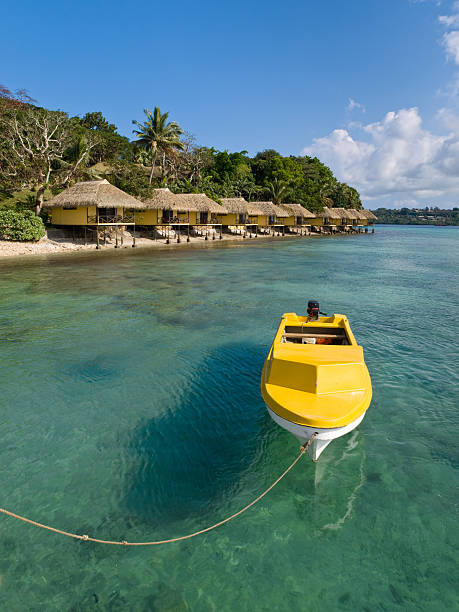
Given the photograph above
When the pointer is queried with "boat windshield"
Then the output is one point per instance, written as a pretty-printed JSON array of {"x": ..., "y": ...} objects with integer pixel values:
[{"x": 294, "y": 334}]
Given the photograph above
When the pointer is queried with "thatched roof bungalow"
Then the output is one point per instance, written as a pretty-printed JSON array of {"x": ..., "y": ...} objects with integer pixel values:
[
  {"x": 93, "y": 203},
  {"x": 167, "y": 208},
  {"x": 207, "y": 212},
  {"x": 358, "y": 217},
  {"x": 345, "y": 217},
  {"x": 240, "y": 212},
  {"x": 164, "y": 208},
  {"x": 354, "y": 215},
  {"x": 296, "y": 214},
  {"x": 270, "y": 213},
  {"x": 164, "y": 199},
  {"x": 369, "y": 215},
  {"x": 200, "y": 202},
  {"x": 331, "y": 213}
]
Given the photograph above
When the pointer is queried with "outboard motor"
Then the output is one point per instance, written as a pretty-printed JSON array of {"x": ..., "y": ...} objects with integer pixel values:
[{"x": 313, "y": 310}]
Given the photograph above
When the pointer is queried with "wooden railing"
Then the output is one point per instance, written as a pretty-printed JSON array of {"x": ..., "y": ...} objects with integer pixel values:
[{"x": 108, "y": 219}]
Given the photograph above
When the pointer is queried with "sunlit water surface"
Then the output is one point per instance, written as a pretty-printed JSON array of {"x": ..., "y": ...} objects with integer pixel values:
[{"x": 130, "y": 410}]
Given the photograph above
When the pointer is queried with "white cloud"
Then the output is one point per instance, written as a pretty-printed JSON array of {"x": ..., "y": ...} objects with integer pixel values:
[
  {"x": 451, "y": 44},
  {"x": 448, "y": 119},
  {"x": 398, "y": 156},
  {"x": 395, "y": 158},
  {"x": 353, "y": 104},
  {"x": 449, "y": 21}
]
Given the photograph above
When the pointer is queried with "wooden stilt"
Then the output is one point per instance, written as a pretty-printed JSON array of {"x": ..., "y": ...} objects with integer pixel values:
[
  {"x": 98, "y": 239},
  {"x": 116, "y": 237}
]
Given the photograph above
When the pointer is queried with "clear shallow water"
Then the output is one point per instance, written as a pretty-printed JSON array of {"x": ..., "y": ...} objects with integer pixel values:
[{"x": 131, "y": 410}]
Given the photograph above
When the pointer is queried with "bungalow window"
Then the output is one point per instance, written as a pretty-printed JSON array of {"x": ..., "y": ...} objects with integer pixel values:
[
  {"x": 167, "y": 216},
  {"x": 203, "y": 216},
  {"x": 106, "y": 214},
  {"x": 343, "y": 221},
  {"x": 242, "y": 218},
  {"x": 271, "y": 220},
  {"x": 299, "y": 220},
  {"x": 326, "y": 220}
]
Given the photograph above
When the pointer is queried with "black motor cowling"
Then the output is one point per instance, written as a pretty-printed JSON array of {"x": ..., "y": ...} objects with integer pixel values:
[{"x": 313, "y": 309}]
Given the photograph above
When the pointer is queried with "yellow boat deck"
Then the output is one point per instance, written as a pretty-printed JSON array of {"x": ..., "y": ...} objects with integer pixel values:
[{"x": 315, "y": 374}]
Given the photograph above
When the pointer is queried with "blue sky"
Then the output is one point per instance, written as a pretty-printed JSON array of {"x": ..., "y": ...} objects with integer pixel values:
[{"x": 369, "y": 86}]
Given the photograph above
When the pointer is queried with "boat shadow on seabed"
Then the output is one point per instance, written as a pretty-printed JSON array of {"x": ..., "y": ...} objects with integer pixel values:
[{"x": 205, "y": 447}]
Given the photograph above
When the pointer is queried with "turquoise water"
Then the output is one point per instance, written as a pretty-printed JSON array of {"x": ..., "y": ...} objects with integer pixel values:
[{"x": 131, "y": 410}]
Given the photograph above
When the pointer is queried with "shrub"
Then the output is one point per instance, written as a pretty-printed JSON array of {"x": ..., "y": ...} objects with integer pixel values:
[{"x": 20, "y": 225}]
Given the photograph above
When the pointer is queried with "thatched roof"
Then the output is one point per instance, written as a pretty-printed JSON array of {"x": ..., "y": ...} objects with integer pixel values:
[
  {"x": 95, "y": 193},
  {"x": 280, "y": 212},
  {"x": 200, "y": 202},
  {"x": 343, "y": 213},
  {"x": 252, "y": 209},
  {"x": 330, "y": 213},
  {"x": 297, "y": 210},
  {"x": 164, "y": 199},
  {"x": 368, "y": 214},
  {"x": 240, "y": 206},
  {"x": 268, "y": 208},
  {"x": 357, "y": 214},
  {"x": 354, "y": 214}
]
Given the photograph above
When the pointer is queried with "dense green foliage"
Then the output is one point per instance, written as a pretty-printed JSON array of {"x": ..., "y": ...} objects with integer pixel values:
[
  {"x": 415, "y": 216},
  {"x": 22, "y": 226},
  {"x": 89, "y": 147}
]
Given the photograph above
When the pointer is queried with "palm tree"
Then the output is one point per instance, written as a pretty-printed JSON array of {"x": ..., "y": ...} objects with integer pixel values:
[
  {"x": 158, "y": 136},
  {"x": 278, "y": 190}
]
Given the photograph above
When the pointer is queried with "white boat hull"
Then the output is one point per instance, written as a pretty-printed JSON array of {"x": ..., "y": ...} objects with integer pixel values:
[{"x": 323, "y": 437}]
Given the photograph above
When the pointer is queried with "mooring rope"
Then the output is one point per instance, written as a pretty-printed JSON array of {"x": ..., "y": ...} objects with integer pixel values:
[{"x": 86, "y": 538}]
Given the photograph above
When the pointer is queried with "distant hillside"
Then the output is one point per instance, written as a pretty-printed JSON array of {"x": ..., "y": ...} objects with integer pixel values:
[{"x": 416, "y": 216}]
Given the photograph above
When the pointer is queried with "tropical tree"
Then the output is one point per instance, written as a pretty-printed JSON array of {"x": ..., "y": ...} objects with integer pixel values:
[
  {"x": 158, "y": 136},
  {"x": 33, "y": 146},
  {"x": 278, "y": 190}
]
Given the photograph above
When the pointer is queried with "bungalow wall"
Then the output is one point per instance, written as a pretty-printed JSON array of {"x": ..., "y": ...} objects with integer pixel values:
[
  {"x": 238, "y": 219},
  {"x": 147, "y": 217},
  {"x": 153, "y": 216},
  {"x": 83, "y": 215},
  {"x": 317, "y": 221},
  {"x": 72, "y": 216},
  {"x": 290, "y": 221},
  {"x": 263, "y": 220}
]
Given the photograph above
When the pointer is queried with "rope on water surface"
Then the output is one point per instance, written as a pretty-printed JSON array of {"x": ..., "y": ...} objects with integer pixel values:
[{"x": 86, "y": 538}]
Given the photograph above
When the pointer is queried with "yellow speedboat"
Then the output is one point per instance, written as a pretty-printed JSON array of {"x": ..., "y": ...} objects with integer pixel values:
[{"x": 314, "y": 379}]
